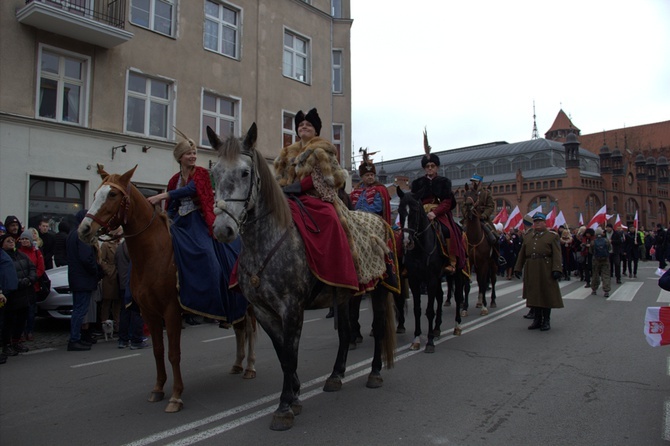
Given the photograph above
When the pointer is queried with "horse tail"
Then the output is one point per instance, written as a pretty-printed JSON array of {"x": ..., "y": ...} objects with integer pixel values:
[{"x": 389, "y": 345}]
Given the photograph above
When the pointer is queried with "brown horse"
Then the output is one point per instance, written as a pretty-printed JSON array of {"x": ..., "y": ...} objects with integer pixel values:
[
  {"x": 481, "y": 255},
  {"x": 153, "y": 276}
]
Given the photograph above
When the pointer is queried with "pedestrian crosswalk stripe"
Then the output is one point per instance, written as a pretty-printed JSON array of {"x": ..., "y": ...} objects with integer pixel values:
[
  {"x": 663, "y": 297},
  {"x": 626, "y": 292},
  {"x": 580, "y": 293}
]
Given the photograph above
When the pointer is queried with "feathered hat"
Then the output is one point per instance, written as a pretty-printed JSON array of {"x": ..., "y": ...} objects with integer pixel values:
[
  {"x": 366, "y": 165},
  {"x": 184, "y": 146},
  {"x": 312, "y": 117},
  {"x": 428, "y": 157}
]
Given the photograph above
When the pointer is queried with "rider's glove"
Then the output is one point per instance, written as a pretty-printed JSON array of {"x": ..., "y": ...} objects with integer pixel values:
[
  {"x": 292, "y": 189},
  {"x": 556, "y": 275}
]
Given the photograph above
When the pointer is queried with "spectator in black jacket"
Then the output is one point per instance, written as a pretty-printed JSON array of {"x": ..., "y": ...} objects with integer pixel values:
[
  {"x": 60, "y": 243},
  {"x": 18, "y": 301},
  {"x": 633, "y": 243},
  {"x": 83, "y": 275},
  {"x": 616, "y": 238},
  {"x": 660, "y": 245},
  {"x": 48, "y": 242}
]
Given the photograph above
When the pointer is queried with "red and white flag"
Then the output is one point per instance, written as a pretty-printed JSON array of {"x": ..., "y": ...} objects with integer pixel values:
[
  {"x": 550, "y": 219},
  {"x": 617, "y": 223},
  {"x": 502, "y": 216},
  {"x": 514, "y": 219},
  {"x": 656, "y": 320},
  {"x": 636, "y": 222},
  {"x": 599, "y": 219},
  {"x": 560, "y": 220},
  {"x": 581, "y": 219}
]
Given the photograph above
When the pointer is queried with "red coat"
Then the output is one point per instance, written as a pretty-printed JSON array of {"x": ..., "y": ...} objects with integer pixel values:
[
  {"x": 35, "y": 256},
  {"x": 204, "y": 190}
]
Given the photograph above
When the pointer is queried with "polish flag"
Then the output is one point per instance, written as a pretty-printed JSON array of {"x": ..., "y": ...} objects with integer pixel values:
[
  {"x": 560, "y": 220},
  {"x": 655, "y": 321},
  {"x": 599, "y": 219},
  {"x": 636, "y": 224},
  {"x": 502, "y": 216},
  {"x": 617, "y": 223},
  {"x": 551, "y": 218},
  {"x": 514, "y": 219},
  {"x": 581, "y": 219}
]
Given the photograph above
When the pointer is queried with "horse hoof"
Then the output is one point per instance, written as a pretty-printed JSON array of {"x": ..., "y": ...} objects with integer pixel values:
[
  {"x": 429, "y": 348},
  {"x": 375, "y": 381},
  {"x": 236, "y": 370},
  {"x": 296, "y": 407},
  {"x": 332, "y": 385},
  {"x": 282, "y": 421},
  {"x": 464, "y": 313},
  {"x": 493, "y": 304},
  {"x": 415, "y": 346},
  {"x": 484, "y": 312},
  {"x": 175, "y": 405},
  {"x": 155, "y": 397},
  {"x": 400, "y": 330},
  {"x": 457, "y": 331},
  {"x": 249, "y": 374}
]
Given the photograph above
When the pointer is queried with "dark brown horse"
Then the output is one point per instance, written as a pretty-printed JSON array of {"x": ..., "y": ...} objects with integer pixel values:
[
  {"x": 153, "y": 276},
  {"x": 481, "y": 255}
]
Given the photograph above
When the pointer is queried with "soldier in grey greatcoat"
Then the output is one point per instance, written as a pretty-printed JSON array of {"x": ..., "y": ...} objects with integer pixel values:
[{"x": 541, "y": 261}]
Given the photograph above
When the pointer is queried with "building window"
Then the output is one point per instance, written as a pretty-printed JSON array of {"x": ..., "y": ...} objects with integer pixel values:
[
  {"x": 288, "y": 131},
  {"x": 148, "y": 106},
  {"x": 520, "y": 162},
  {"x": 502, "y": 166},
  {"x": 56, "y": 200},
  {"x": 222, "y": 28},
  {"x": 296, "y": 57},
  {"x": 485, "y": 168},
  {"x": 63, "y": 92},
  {"x": 156, "y": 15},
  {"x": 337, "y": 71},
  {"x": 338, "y": 141},
  {"x": 336, "y": 8},
  {"x": 221, "y": 114}
]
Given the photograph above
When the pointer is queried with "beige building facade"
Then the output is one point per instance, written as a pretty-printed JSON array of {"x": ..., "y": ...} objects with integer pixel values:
[{"x": 102, "y": 81}]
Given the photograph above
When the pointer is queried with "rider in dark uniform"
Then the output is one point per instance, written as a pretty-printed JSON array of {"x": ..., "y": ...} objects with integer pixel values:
[{"x": 438, "y": 200}]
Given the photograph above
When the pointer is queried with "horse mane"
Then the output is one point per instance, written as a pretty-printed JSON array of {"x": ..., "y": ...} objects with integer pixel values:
[{"x": 270, "y": 192}]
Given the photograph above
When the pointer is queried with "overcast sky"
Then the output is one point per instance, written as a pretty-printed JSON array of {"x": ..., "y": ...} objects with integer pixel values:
[{"x": 470, "y": 70}]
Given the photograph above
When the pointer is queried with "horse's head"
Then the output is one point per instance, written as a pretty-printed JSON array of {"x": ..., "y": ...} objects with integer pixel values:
[
  {"x": 109, "y": 207},
  {"x": 413, "y": 219},
  {"x": 469, "y": 203},
  {"x": 242, "y": 180}
]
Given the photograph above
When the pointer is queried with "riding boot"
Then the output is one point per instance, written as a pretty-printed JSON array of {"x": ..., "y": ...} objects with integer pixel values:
[
  {"x": 545, "y": 319},
  {"x": 537, "y": 319},
  {"x": 531, "y": 313}
]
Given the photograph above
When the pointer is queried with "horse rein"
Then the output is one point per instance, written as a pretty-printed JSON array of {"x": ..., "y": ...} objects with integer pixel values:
[
  {"x": 119, "y": 218},
  {"x": 220, "y": 206}
]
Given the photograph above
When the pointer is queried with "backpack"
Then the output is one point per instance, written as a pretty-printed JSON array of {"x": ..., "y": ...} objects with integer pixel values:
[{"x": 600, "y": 249}]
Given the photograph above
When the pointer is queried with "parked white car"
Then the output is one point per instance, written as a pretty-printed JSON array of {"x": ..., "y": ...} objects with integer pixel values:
[{"x": 58, "y": 304}]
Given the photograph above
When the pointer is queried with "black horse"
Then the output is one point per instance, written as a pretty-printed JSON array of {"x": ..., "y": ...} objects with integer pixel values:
[{"x": 424, "y": 261}]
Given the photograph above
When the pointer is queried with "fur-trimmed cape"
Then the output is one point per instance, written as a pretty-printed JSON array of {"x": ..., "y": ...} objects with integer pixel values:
[{"x": 296, "y": 162}]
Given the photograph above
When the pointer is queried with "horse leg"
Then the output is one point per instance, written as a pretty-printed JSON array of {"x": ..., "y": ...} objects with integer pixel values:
[
  {"x": 439, "y": 297},
  {"x": 334, "y": 381},
  {"x": 415, "y": 286},
  {"x": 379, "y": 321},
  {"x": 173, "y": 328},
  {"x": 430, "y": 315},
  {"x": 240, "y": 343},
  {"x": 155, "y": 324},
  {"x": 494, "y": 278},
  {"x": 400, "y": 305},
  {"x": 458, "y": 298},
  {"x": 250, "y": 334},
  {"x": 354, "y": 315},
  {"x": 450, "y": 290},
  {"x": 483, "y": 284},
  {"x": 286, "y": 347},
  {"x": 466, "y": 292}
]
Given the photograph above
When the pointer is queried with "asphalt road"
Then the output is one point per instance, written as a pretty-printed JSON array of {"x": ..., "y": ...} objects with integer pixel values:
[{"x": 591, "y": 380}]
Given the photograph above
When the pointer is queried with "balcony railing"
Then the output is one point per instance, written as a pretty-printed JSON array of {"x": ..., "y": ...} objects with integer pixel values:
[
  {"x": 110, "y": 12},
  {"x": 100, "y": 22}
]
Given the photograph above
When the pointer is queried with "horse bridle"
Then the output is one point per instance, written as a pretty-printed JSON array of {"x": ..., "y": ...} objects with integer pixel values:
[
  {"x": 415, "y": 233},
  {"x": 119, "y": 218},
  {"x": 221, "y": 205}
]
